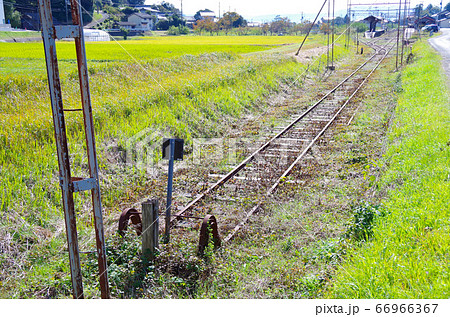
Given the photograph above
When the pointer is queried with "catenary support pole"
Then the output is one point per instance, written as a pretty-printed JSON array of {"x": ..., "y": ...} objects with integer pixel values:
[
  {"x": 48, "y": 36},
  {"x": 398, "y": 33}
]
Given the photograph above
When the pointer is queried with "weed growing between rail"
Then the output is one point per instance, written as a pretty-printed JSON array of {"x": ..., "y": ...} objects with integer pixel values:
[
  {"x": 408, "y": 256},
  {"x": 291, "y": 248},
  {"x": 202, "y": 96}
]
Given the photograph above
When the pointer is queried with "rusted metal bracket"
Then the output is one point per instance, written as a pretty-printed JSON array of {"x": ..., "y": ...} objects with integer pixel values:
[
  {"x": 66, "y": 32},
  {"x": 209, "y": 228},
  {"x": 135, "y": 217},
  {"x": 84, "y": 184}
]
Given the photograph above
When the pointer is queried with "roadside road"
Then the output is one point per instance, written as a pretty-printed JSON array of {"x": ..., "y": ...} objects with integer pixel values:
[
  {"x": 442, "y": 45},
  {"x": 96, "y": 22}
]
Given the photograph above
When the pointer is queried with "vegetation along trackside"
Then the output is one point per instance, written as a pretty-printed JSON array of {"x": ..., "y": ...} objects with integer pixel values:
[
  {"x": 365, "y": 215},
  {"x": 187, "y": 94},
  {"x": 408, "y": 256}
]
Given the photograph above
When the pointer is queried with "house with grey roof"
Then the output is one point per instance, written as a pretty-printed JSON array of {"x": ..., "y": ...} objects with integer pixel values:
[{"x": 142, "y": 21}]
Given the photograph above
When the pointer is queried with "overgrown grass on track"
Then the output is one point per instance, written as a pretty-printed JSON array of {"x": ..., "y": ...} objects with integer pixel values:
[
  {"x": 409, "y": 255},
  {"x": 188, "y": 96}
]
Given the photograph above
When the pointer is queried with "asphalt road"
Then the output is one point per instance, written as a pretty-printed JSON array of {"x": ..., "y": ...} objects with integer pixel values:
[{"x": 442, "y": 45}]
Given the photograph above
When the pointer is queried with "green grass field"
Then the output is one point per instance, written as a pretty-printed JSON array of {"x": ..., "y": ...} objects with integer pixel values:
[
  {"x": 186, "y": 89},
  {"x": 409, "y": 254},
  {"x": 196, "y": 86},
  {"x": 7, "y": 35},
  {"x": 28, "y": 58},
  {"x": 154, "y": 47}
]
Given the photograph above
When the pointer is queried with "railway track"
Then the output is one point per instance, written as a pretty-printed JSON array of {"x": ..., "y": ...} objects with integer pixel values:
[
  {"x": 234, "y": 197},
  {"x": 231, "y": 199}
]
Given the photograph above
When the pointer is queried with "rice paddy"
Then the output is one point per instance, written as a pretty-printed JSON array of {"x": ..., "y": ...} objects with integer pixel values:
[{"x": 187, "y": 86}]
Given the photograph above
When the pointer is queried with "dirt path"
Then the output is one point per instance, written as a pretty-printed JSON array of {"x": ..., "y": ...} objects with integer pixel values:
[
  {"x": 442, "y": 45},
  {"x": 308, "y": 55}
]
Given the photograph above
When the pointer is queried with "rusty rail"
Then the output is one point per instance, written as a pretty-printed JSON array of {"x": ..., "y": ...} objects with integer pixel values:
[
  {"x": 250, "y": 158},
  {"x": 304, "y": 152}
]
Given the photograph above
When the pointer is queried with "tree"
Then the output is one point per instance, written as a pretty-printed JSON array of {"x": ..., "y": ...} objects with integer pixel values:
[
  {"x": 360, "y": 27},
  {"x": 88, "y": 5},
  {"x": 125, "y": 32},
  {"x": 136, "y": 2},
  {"x": 418, "y": 10},
  {"x": 231, "y": 20},
  {"x": 302, "y": 28},
  {"x": 166, "y": 7},
  {"x": 176, "y": 20},
  {"x": 206, "y": 25},
  {"x": 162, "y": 25},
  {"x": 265, "y": 28},
  {"x": 129, "y": 10},
  {"x": 173, "y": 30},
  {"x": 12, "y": 16},
  {"x": 325, "y": 28},
  {"x": 447, "y": 7},
  {"x": 338, "y": 21},
  {"x": 98, "y": 5},
  {"x": 280, "y": 25},
  {"x": 432, "y": 10}
]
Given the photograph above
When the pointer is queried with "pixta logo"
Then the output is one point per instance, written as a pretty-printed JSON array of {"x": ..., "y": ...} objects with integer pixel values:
[{"x": 143, "y": 150}]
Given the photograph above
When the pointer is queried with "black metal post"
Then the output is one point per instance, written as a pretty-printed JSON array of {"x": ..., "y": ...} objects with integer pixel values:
[{"x": 169, "y": 190}]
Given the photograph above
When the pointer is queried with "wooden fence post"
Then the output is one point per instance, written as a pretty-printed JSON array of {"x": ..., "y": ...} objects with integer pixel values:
[{"x": 150, "y": 228}]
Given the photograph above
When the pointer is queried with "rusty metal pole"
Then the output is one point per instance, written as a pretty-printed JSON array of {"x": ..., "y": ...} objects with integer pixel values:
[
  {"x": 48, "y": 36},
  {"x": 328, "y": 35},
  {"x": 69, "y": 184},
  {"x": 332, "y": 36},
  {"x": 90, "y": 142},
  {"x": 398, "y": 32},
  {"x": 405, "y": 24}
]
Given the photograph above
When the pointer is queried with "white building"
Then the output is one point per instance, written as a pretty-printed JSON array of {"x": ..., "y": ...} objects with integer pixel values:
[
  {"x": 143, "y": 21},
  {"x": 91, "y": 35},
  {"x": 208, "y": 15},
  {"x": 445, "y": 23},
  {"x": 3, "y": 25},
  {"x": 443, "y": 19},
  {"x": 2, "y": 13}
]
